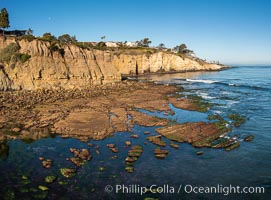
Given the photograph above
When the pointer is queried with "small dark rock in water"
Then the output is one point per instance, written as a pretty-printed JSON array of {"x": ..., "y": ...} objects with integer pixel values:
[
  {"x": 114, "y": 150},
  {"x": 233, "y": 146},
  {"x": 133, "y": 154},
  {"x": 160, "y": 153},
  {"x": 80, "y": 156},
  {"x": 41, "y": 158},
  {"x": 127, "y": 143},
  {"x": 77, "y": 161},
  {"x": 47, "y": 163},
  {"x": 110, "y": 145},
  {"x": 199, "y": 153},
  {"x": 84, "y": 154},
  {"x": 249, "y": 138},
  {"x": 135, "y": 151},
  {"x": 129, "y": 169},
  {"x": 156, "y": 140},
  {"x": 134, "y": 136},
  {"x": 90, "y": 145},
  {"x": 101, "y": 169},
  {"x": 173, "y": 145},
  {"x": 114, "y": 157},
  {"x": 160, "y": 156},
  {"x": 130, "y": 159}
]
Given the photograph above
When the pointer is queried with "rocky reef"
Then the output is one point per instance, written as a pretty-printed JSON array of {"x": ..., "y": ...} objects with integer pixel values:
[{"x": 31, "y": 65}]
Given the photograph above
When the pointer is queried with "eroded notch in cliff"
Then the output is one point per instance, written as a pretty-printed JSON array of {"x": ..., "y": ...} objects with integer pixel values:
[{"x": 136, "y": 69}]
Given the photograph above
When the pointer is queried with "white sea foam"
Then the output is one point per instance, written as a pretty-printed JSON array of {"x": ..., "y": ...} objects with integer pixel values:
[
  {"x": 205, "y": 96},
  {"x": 201, "y": 81},
  {"x": 218, "y": 112}
]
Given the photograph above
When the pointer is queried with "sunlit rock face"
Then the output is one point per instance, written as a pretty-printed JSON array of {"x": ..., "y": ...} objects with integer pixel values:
[{"x": 77, "y": 68}]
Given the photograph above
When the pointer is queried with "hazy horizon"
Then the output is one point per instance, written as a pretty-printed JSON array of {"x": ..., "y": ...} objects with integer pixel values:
[{"x": 228, "y": 31}]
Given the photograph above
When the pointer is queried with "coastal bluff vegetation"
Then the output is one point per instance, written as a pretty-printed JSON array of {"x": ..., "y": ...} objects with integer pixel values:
[{"x": 29, "y": 63}]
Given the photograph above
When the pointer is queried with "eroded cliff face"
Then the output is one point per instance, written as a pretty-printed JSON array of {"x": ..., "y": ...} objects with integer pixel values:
[{"x": 78, "y": 68}]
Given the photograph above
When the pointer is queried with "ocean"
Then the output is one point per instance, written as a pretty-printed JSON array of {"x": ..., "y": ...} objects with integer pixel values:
[{"x": 245, "y": 90}]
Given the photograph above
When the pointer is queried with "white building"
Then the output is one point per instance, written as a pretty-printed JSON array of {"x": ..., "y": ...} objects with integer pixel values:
[
  {"x": 112, "y": 44},
  {"x": 131, "y": 44}
]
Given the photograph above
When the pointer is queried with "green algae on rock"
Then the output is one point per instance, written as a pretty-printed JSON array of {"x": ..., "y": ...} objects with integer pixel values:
[
  {"x": 249, "y": 138},
  {"x": 50, "y": 179},
  {"x": 101, "y": 169},
  {"x": 68, "y": 172},
  {"x": 135, "y": 151},
  {"x": 43, "y": 188},
  {"x": 199, "y": 134},
  {"x": 80, "y": 156},
  {"x": 129, "y": 169},
  {"x": 238, "y": 119},
  {"x": 133, "y": 154},
  {"x": 77, "y": 161},
  {"x": 233, "y": 146}
]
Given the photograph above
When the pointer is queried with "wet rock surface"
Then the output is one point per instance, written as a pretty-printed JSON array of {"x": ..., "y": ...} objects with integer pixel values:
[
  {"x": 99, "y": 112},
  {"x": 80, "y": 156},
  {"x": 95, "y": 112},
  {"x": 160, "y": 153},
  {"x": 133, "y": 155},
  {"x": 199, "y": 134}
]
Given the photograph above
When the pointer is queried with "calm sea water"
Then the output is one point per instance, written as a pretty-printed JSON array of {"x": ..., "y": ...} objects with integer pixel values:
[{"x": 243, "y": 90}]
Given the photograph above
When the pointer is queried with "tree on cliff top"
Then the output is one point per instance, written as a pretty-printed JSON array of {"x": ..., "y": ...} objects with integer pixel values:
[
  {"x": 184, "y": 50},
  {"x": 144, "y": 42},
  {"x": 65, "y": 39},
  {"x": 48, "y": 37},
  {"x": 4, "y": 19}
]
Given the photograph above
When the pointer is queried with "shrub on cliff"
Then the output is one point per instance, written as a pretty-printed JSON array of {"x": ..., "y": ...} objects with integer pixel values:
[
  {"x": 24, "y": 57},
  {"x": 29, "y": 38},
  {"x": 7, "y": 53},
  {"x": 48, "y": 37},
  {"x": 55, "y": 47},
  {"x": 67, "y": 39},
  {"x": 100, "y": 46}
]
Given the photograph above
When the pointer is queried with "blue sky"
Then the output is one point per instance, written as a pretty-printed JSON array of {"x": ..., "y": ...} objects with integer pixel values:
[{"x": 230, "y": 31}]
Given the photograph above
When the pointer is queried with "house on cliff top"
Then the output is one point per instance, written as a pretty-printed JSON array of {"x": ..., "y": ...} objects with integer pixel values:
[{"x": 13, "y": 32}]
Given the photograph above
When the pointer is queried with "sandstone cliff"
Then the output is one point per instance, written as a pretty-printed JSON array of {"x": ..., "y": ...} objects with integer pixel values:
[{"x": 77, "y": 67}]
